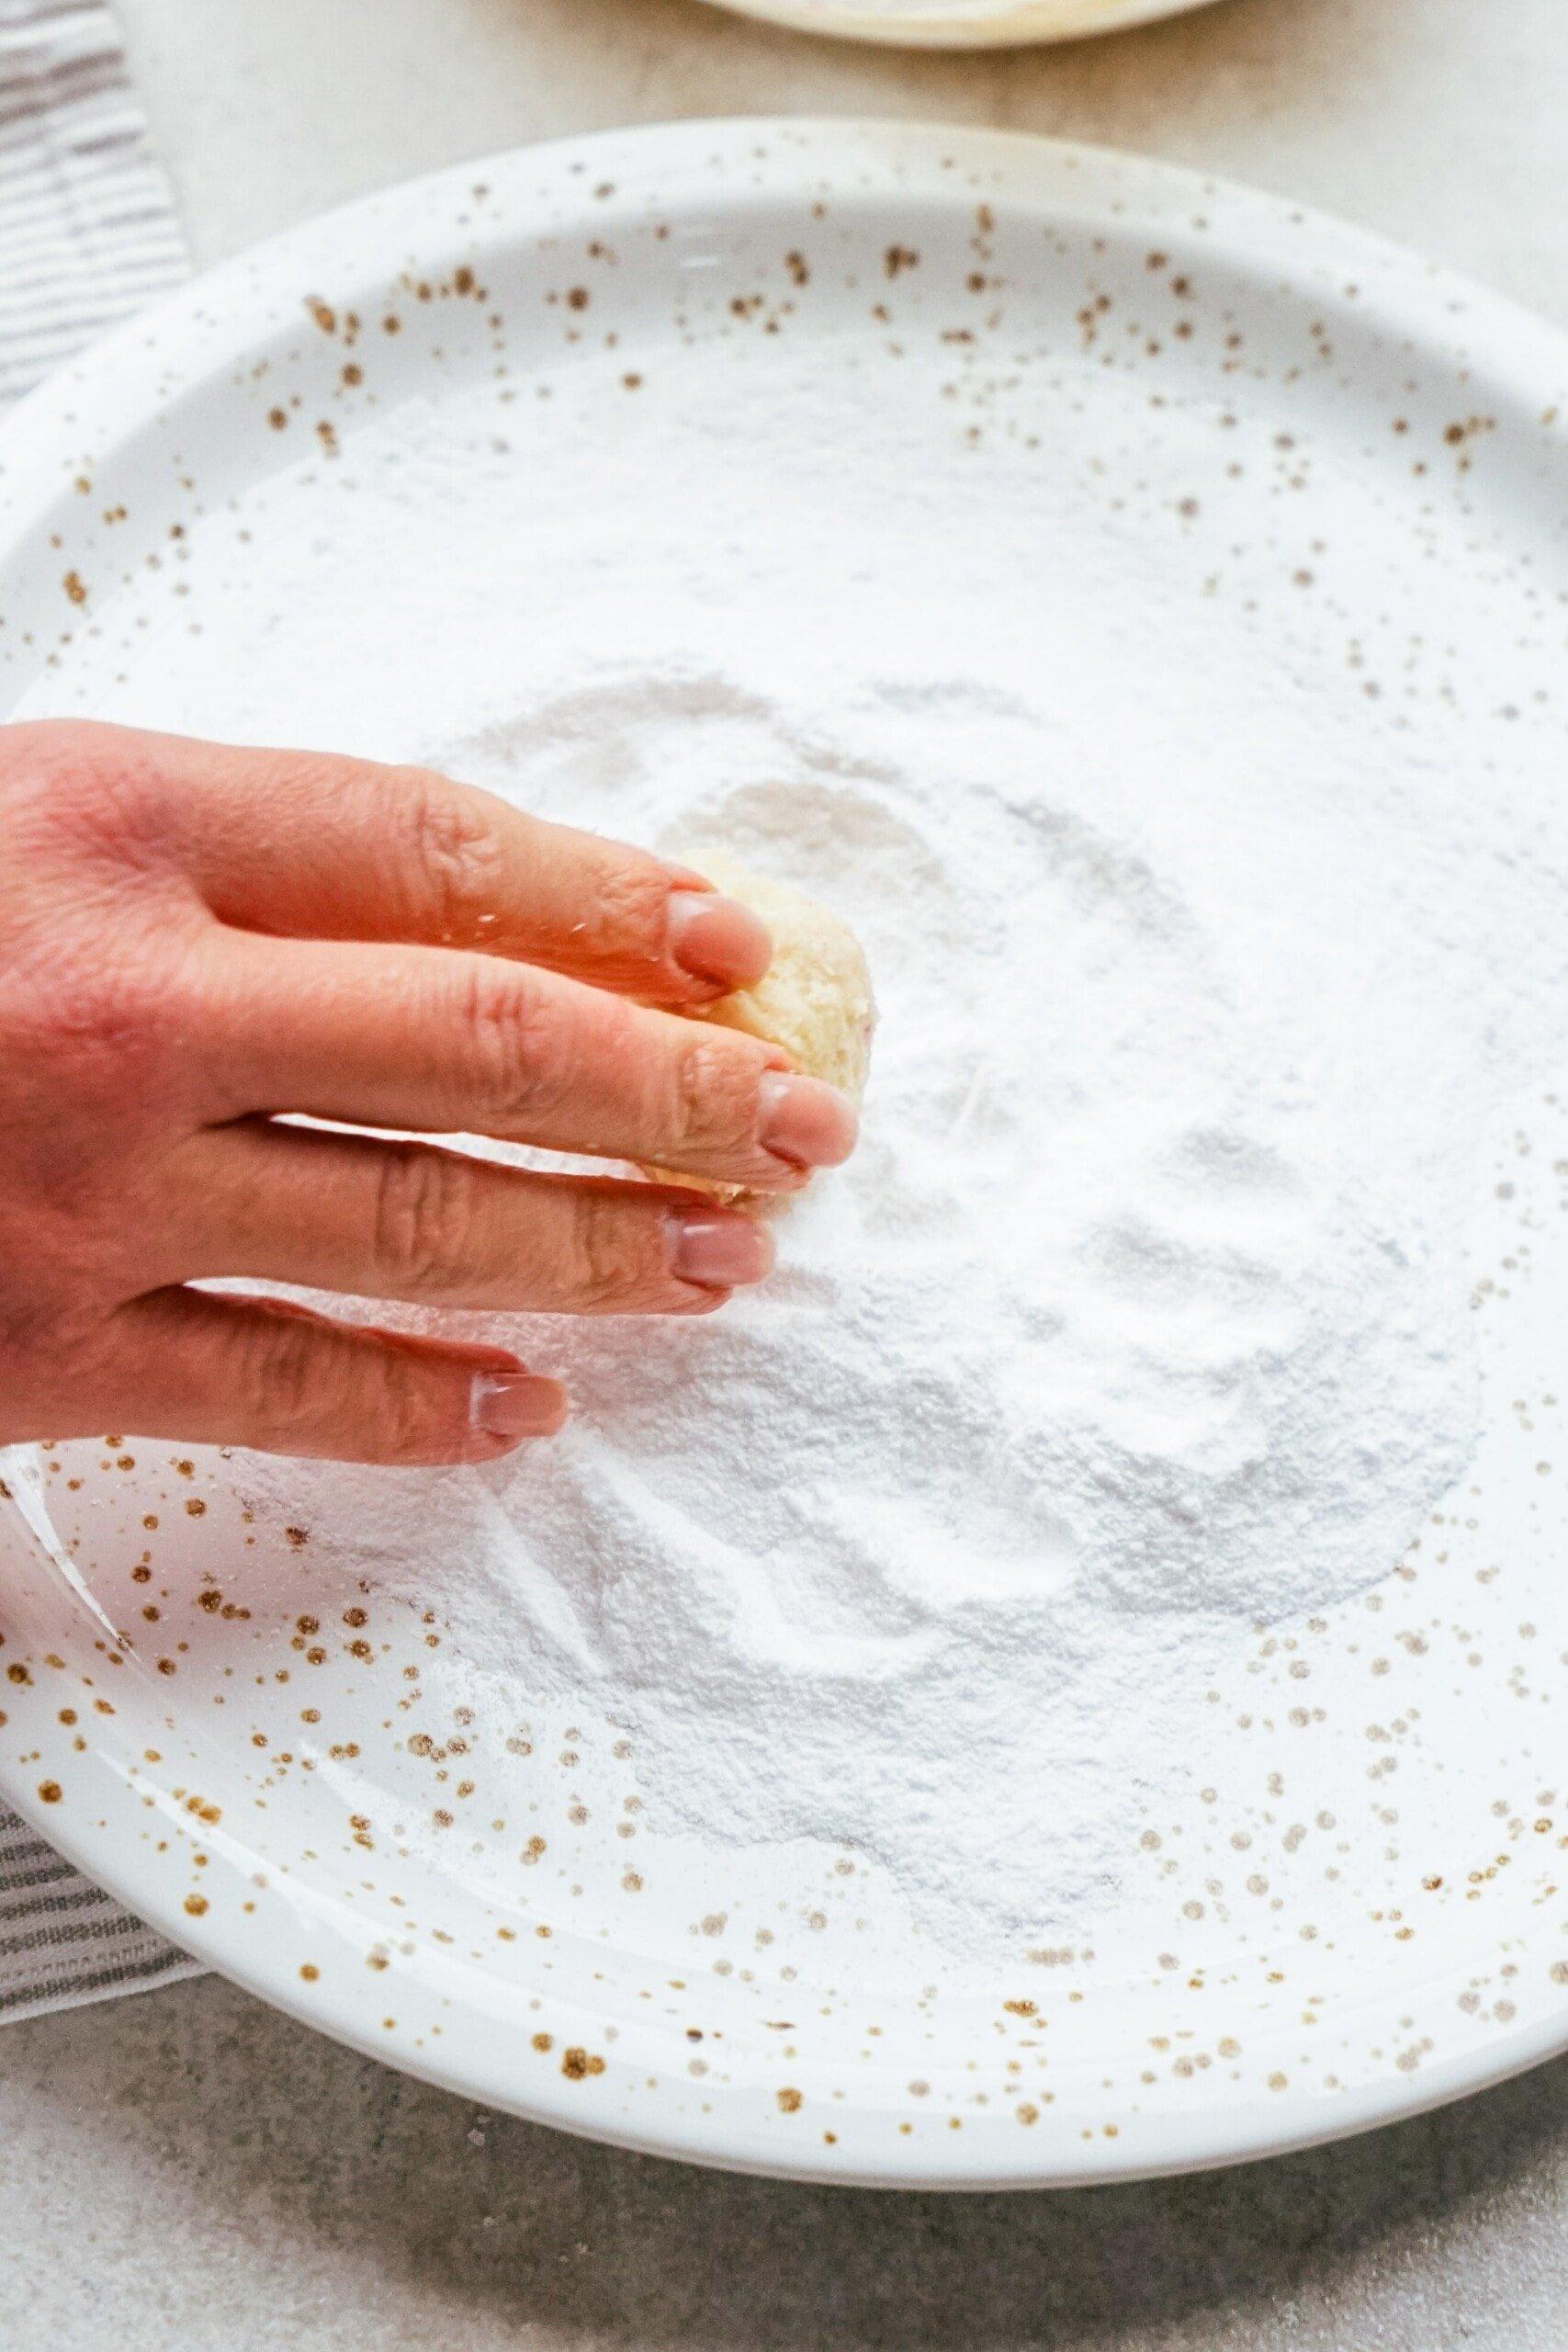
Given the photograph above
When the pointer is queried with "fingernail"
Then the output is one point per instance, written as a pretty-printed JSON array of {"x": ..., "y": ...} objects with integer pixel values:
[
  {"x": 805, "y": 1122},
  {"x": 719, "y": 1251},
  {"x": 515, "y": 1404},
  {"x": 715, "y": 939}
]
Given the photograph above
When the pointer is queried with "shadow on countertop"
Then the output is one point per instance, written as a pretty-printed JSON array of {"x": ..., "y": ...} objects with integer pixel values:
[
  {"x": 1226, "y": 57},
  {"x": 239, "y": 2120}
]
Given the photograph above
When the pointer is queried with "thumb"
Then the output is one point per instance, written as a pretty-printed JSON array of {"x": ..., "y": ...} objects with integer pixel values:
[{"x": 264, "y": 1372}]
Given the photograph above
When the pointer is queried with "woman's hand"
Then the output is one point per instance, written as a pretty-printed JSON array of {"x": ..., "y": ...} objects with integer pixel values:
[{"x": 194, "y": 939}]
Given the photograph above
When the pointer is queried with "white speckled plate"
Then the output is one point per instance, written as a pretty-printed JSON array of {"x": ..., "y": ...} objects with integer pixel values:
[{"x": 1360, "y": 1905}]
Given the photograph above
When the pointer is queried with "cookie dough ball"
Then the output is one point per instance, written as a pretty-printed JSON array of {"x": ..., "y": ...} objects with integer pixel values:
[{"x": 815, "y": 997}]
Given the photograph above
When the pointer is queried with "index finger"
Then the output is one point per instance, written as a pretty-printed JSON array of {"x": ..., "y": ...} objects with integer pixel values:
[{"x": 312, "y": 845}]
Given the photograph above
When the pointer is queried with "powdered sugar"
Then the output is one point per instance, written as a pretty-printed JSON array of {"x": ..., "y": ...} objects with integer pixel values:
[{"x": 1142, "y": 1312}]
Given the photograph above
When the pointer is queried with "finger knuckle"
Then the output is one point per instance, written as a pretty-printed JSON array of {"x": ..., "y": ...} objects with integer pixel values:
[
  {"x": 450, "y": 846},
  {"x": 616, "y": 1260},
  {"x": 714, "y": 1108},
  {"x": 515, "y": 1041},
  {"x": 278, "y": 1365},
  {"x": 312, "y": 1386},
  {"x": 415, "y": 1419},
  {"x": 95, "y": 967},
  {"x": 80, "y": 784},
  {"x": 625, "y": 905},
  {"x": 423, "y": 1219},
  {"x": 52, "y": 750},
  {"x": 124, "y": 1016}
]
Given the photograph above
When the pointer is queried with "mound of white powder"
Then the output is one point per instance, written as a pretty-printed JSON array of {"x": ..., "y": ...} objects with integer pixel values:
[{"x": 1142, "y": 1309}]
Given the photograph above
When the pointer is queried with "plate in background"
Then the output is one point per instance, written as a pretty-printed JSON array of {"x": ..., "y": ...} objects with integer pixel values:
[
  {"x": 961, "y": 24},
  {"x": 269, "y": 1766}
]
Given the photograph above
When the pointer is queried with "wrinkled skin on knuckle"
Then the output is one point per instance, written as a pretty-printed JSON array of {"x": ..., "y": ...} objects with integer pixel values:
[
  {"x": 91, "y": 1058},
  {"x": 101, "y": 1010},
  {"x": 47, "y": 764},
  {"x": 302, "y": 1391},
  {"x": 415, "y": 1419},
  {"x": 424, "y": 1220},
  {"x": 100, "y": 935},
  {"x": 90, "y": 796},
  {"x": 99, "y": 1036},
  {"x": 274, "y": 1366},
  {"x": 518, "y": 1043},
  {"x": 450, "y": 849},
  {"x": 622, "y": 911},
  {"x": 714, "y": 1105},
  {"x": 617, "y": 1259},
  {"x": 89, "y": 1219},
  {"x": 87, "y": 998},
  {"x": 96, "y": 1073}
]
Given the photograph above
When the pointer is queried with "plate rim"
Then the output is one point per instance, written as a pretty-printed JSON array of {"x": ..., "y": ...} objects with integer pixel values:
[
  {"x": 1524, "y": 352},
  {"x": 752, "y": 2152},
  {"x": 1024, "y": 27}
]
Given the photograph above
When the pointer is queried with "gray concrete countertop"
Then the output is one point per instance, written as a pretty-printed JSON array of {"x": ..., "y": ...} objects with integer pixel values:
[{"x": 188, "y": 2171}]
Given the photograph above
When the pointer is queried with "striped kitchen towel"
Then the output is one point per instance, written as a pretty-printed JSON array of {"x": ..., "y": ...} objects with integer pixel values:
[{"x": 87, "y": 235}]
